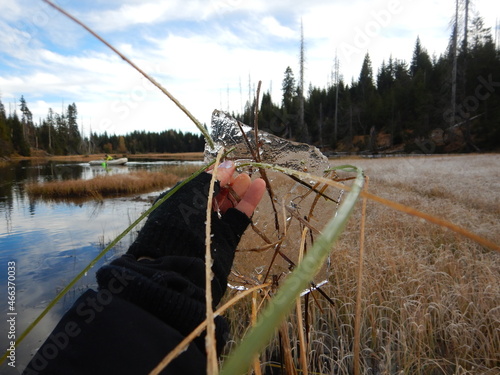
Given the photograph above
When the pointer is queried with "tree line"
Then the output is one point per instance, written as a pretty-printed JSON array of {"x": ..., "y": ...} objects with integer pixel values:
[
  {"x": 59, "y": 134},
  {"x": 452, "y": 99},
  {"x": 457, "y": 94}
]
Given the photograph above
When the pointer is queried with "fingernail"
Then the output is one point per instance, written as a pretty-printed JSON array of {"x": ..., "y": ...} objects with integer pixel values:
[{"x": 227, "y": 164}]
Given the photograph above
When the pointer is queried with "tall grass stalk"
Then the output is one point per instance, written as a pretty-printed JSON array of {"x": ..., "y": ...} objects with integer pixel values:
[
  {"x": 212, "y": 364},
  {"x": 256, "y": 361},
  {"x": 298, "y": 307},
  {"x": 357, "y": 322}
]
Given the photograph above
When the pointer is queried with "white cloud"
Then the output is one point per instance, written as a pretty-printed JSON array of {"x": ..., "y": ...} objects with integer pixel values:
[
  {"x": 273, "y": 27},
  {"x": 128, "y": 15},
  {"x": 131, "y": 13},
  {"x": 12, "y": 8}
]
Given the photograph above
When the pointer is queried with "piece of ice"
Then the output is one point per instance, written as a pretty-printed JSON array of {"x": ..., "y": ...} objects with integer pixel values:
[
  {"x": 227, "y": 132},
  {"x": 279, "y": 228}
]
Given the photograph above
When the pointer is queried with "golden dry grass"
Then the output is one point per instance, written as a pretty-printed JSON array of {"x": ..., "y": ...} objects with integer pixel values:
[
  {"x": 183, "y": 170},
  {"x": 178, "y": 156},
  {"x": 430, "y": 298},
  {"x": 103, "y": 186}
]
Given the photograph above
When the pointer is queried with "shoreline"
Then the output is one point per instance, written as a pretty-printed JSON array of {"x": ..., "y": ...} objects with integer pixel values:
[{"x": 38, "y": 156}]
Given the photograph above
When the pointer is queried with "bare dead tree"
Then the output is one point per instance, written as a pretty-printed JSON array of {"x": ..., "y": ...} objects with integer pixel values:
[{"x": 302, "y": 126}]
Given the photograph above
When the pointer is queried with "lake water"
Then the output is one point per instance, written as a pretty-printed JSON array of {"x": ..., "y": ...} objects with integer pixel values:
[{"x": 51, "y": 242}]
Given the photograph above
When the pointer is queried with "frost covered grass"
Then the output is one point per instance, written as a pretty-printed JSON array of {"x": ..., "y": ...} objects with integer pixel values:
[
  {"x": 103, "y": 186},
  {"x": 430, "y": 298}
]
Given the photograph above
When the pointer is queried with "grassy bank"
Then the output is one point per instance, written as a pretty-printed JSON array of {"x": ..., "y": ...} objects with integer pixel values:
[
  {"x": 430, "y": 298},
  {"x": 103, "y": 186}
]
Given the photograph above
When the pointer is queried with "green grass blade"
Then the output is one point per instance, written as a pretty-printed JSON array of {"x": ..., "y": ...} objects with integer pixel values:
[{"x": 241, "y": 359}]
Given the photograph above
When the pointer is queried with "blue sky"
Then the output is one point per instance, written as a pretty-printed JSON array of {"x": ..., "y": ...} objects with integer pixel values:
[{"x": 208, "y": 53}]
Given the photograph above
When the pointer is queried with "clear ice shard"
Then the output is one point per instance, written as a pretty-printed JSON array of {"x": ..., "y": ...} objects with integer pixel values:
[
  {"x": 271, "y": 247},
  {"x": 228, "y": 132}
]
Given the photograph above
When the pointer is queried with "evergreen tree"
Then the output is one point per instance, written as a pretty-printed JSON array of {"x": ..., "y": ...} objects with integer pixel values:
[
  {"x": 74, "y": 137},
  {"x": 289, "y": 101},
  {"x": 28, "y": 128},
  {"x": 368, "y": 101},
  {"x": 5, "y": 133},
  {"x": 385, "y": 77},
  {"x": 288, "y": 88},
  {"x": 270, "y": 118},
  {"x": 482, "y": 102},
  {"x": 18, "y": 138},
  {"x": 480, "y": 34},
  {"x": 421, "y": 61},
  {"x": 365, "y": 81},
  {"x": 421, "y": 97}
]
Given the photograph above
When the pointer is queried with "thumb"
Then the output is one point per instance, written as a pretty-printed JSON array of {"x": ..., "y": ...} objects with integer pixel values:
[{"x": 252, "y": 197}]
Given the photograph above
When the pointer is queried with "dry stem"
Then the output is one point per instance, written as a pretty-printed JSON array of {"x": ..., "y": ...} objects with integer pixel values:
[
  {"x": 357, "y": 322},
  {"x": 212, "y": 364}
]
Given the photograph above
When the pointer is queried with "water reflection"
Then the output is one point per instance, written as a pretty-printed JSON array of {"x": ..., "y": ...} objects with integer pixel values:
[{"x": 51, "y": 242}]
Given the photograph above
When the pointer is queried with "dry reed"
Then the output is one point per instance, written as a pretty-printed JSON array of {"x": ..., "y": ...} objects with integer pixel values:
[
  {"x": 212, "y": 363},
  {"x": 103, "y": 186}
]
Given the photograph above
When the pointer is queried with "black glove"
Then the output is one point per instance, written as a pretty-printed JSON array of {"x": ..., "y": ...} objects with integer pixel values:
[{"x": 177, "y": 228}]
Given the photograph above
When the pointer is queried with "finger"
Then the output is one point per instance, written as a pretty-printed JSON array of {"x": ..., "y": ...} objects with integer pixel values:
[
  {"x": 252, "y": 197},
  {"x": 241, "y": 184},
  {"x": 239, "y": 187},
  {"x": 225, "y": 172}
]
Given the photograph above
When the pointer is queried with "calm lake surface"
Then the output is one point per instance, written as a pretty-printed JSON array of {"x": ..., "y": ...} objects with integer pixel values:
[{"x": 51, "y": 242}]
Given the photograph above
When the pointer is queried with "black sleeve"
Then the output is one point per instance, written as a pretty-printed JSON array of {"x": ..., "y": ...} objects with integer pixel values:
[
  {"x": 104, "y": 334},
  {"x": 143, "y": 309}
]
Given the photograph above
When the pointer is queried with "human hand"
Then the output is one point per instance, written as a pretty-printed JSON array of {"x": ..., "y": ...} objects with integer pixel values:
[
  {"x": 237, "y": 191},
  {"x": 177, "y": 227}
]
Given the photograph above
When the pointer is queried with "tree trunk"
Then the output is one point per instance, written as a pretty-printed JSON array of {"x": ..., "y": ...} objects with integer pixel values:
[
  {"x": 302, "y": 126},
  {"x": 454, "y": 71}
]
